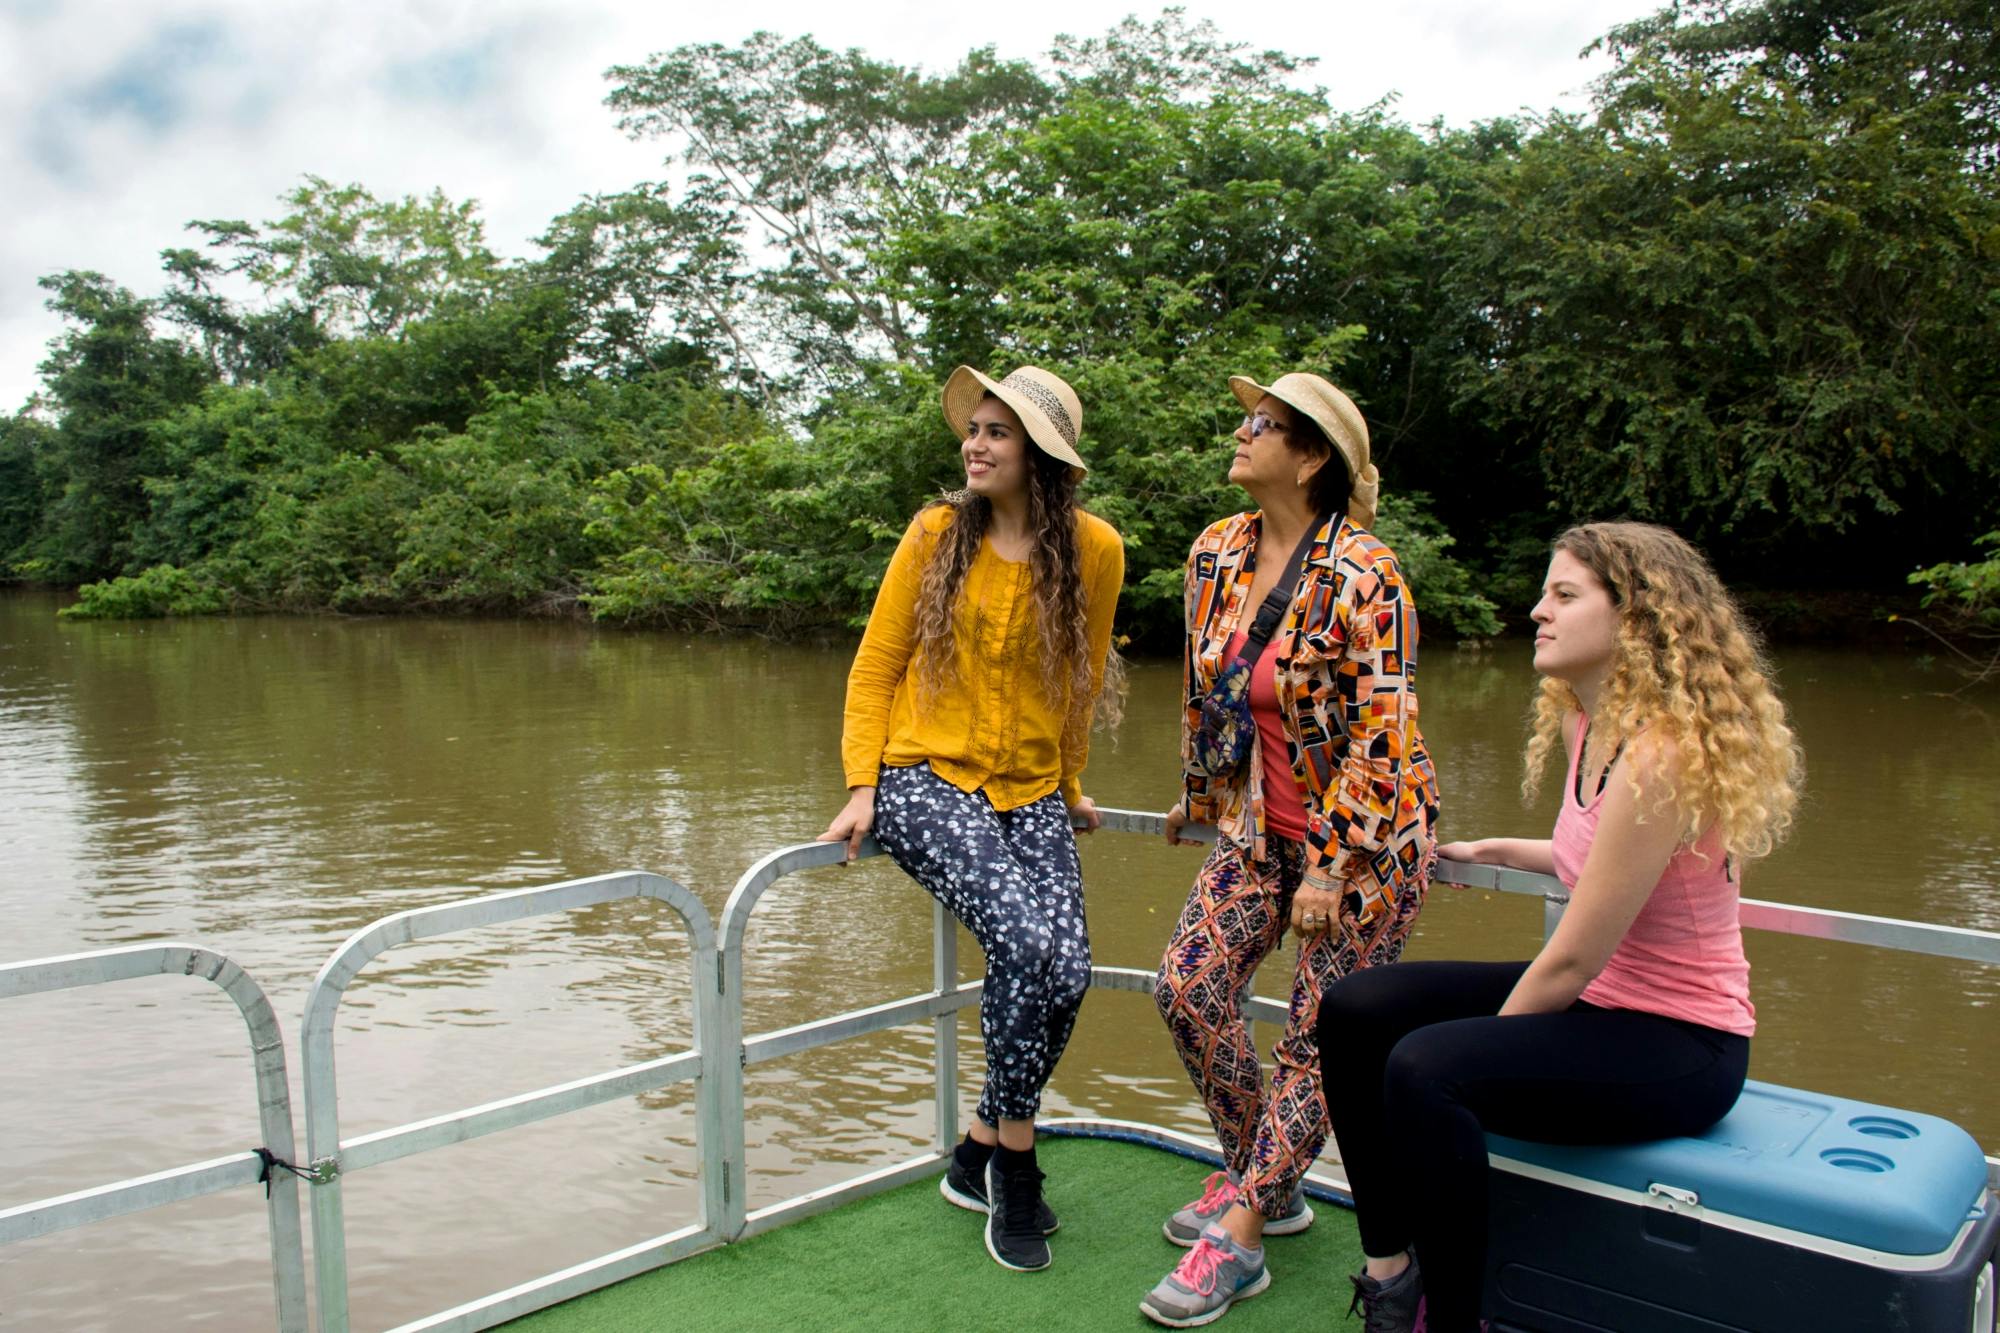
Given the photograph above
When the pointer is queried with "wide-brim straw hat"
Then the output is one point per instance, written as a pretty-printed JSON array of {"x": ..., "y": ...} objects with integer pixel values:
[
  {"x": 1048, "y": 408},
  {"x": 1337, "y": 416}
]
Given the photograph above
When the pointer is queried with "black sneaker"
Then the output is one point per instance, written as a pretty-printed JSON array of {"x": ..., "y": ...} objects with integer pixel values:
[
  {"x": 1013, "y": 1219},
  {"x": 1395, "y": 1306},
  {"x": 966, "y": 1187}
]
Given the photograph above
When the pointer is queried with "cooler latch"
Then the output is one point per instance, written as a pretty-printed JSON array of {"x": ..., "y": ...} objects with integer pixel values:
[{"x": 1673, "y": 1198}]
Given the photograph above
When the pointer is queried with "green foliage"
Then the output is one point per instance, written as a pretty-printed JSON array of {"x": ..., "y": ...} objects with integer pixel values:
[
  {"x": 1755, "y": 295},
  {"x": 1967, "y": 594},
  {"x": 1968, "y": 589},
  {"x": 109, "y": 378},
  {"x": 27, "y": 487},
  {"x": 655, "y": 284},
  {"x": 364, "y": 266},
  {"x": 1443, "y": 588},
  {"x": 765, "y": 529},
  {"x": 162, "y": 590},
  {"x": 822, "y": 149}
]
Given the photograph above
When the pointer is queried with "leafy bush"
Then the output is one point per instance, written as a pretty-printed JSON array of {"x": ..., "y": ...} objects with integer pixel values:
[{"x": 163, "y": 590}]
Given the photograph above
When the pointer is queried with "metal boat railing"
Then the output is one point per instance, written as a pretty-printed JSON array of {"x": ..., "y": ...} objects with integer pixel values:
[
  {"x": 717, "y": 1061},
  {"x": 274, "y": 1114},
  {"x": 332, "y": 1158}
]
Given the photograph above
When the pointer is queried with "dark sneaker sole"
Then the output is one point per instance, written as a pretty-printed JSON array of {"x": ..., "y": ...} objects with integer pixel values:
[
  {"x": 1208, "y": 1316},
  {"x": 972, "y": 1203}
]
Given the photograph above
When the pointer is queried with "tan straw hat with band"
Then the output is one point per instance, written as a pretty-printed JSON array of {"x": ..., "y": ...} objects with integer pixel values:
[
  {"x": 1048, "y": 408},
  {"x": 1337, "y": 416}
]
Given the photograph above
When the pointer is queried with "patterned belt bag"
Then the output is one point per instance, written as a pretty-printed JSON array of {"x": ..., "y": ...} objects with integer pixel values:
[{"x": 1222, "y": 740}]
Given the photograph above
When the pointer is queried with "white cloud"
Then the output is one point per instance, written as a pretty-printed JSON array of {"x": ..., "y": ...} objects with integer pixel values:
[{"x": 120, "y": 123}]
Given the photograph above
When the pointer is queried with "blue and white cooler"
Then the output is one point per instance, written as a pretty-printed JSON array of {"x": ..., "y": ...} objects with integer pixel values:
[{"x": 1795, "y": 1212}]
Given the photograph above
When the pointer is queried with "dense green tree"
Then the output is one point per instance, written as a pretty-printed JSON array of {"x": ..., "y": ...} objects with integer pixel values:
[
  {"x": 27, "y": 487},
  {"x": 656, "y": 284},
  {"x": 241, "y": 345},
  {"x": 1757, "y": 296},
  {"x": 821, "y": 150},
  {"x": 1753, "y": 295},
  {"x": 109, "y": 379},
  {"x": 363, "y": 265},
  {"x": 376, "y": 391}
]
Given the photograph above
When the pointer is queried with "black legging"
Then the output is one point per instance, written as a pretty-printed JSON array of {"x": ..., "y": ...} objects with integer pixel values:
[{"x": 1417, "y": 1068}]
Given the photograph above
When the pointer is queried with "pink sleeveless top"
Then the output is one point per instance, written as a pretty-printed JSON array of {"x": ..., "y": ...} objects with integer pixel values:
[
  {"x": 1284, "y": 803},
  {"x": 1682, "y": 957}
]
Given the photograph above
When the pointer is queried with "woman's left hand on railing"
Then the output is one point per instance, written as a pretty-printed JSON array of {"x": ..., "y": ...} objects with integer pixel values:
[
  {"x": 855, "y": 821},
  {"x": 1083, "y": 816}
]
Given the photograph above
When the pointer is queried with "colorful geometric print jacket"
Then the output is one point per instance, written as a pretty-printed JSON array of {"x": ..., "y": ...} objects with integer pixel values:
[{"x": 1345, "y": 662}]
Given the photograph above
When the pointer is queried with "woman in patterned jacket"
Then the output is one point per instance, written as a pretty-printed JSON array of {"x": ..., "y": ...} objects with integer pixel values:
[
  {"x": 1324, "y": 827},
  {"x": 969, "y": 708}
]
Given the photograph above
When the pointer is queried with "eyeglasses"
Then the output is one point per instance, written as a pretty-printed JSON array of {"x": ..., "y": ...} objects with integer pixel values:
[{"x": 1259, "y": 423}]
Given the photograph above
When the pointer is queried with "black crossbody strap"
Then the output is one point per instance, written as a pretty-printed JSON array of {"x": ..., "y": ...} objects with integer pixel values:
[{"x": 1279, "y": 600}]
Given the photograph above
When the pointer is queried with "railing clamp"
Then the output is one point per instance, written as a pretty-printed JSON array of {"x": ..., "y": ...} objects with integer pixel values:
[
  {"x": 322, "y": 1171},
  {"x": 273, "y": 1164}
]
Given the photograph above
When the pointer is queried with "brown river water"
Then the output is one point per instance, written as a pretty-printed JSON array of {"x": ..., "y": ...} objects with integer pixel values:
[{"x": 267, "y": 786}]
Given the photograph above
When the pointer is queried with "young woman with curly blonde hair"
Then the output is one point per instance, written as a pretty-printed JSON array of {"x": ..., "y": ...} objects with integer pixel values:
[
  {"x": 1634, "y": 1021},
  {"x": 969, "y": 709}
]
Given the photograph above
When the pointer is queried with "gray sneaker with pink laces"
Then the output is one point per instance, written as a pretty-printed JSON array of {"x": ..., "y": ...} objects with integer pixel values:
[
  {"x": 1211, "y": 1277},
  {"x": 1218, "y": 1193}
]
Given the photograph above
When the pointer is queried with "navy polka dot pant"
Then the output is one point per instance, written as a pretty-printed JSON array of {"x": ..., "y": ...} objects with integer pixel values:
[{"x": 1013, "y": 879}]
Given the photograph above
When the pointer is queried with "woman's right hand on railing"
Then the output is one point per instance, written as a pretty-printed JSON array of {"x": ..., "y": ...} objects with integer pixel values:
[
  {"x": 1177, "y": 820},
  {"x": 855, "y": 821},
  {"x": 1470, "y": 853}
]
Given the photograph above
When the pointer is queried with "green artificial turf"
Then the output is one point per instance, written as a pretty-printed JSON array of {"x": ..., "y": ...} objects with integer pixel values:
[{"x": 906, "y": 1259}]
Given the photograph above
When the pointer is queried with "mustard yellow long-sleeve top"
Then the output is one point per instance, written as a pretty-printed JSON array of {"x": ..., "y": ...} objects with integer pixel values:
[{"x": 993, "y": 726}]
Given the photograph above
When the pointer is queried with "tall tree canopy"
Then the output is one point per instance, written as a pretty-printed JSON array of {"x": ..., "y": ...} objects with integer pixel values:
[{"x": 1755, "y": 294}]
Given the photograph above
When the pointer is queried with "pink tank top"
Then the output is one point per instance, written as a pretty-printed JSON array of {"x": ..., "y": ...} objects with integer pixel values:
[
  {"x": 1284, "y": 804},
  {"x": 1682, "y": 957}
]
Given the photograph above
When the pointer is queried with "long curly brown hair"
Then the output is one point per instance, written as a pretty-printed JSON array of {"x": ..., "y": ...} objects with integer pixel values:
[
  {"x": 1689, "y": 671},
  {"x": 1060, "y": 610}
]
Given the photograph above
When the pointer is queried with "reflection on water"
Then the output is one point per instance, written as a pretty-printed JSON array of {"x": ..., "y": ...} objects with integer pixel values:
[{"x": 269, "y": 786}]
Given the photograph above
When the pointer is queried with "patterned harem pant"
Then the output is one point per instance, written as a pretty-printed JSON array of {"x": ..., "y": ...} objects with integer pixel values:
[
  {"x": 1013, "y": 879},
  {"x": 1234, "y": 918}
]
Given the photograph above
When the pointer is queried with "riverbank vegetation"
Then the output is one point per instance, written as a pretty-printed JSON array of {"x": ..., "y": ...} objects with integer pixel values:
[{"x": 1754, "y": 293}]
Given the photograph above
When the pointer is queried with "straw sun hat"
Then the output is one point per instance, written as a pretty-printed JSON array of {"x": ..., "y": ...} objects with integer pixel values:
[
  {"x": 1048, "y": 408},
  {"x": 1336, "y": 415}
]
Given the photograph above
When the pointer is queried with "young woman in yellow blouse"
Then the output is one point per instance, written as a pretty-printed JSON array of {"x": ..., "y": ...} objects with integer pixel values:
[{"x": 969, "y": 708}]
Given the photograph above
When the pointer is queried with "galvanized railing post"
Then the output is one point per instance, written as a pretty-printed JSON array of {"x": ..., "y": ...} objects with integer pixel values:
[
  {"x": 331, "y": 1158},
  {"x": 734, "y": 1173},
  {"x": 329, "y": 1219},
  {"x": 274, "y": 1114},
  {"x": 944, "y": 980}
]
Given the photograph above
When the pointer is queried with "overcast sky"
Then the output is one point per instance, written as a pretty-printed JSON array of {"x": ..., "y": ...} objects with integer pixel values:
[{"x": 124, "y": 119}]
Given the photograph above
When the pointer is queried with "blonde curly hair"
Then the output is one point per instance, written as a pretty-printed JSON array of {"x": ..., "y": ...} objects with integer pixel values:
[{"x": 1690, "y": 673}]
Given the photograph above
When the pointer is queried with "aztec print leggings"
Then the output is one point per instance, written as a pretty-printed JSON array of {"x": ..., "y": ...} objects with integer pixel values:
[
  {"x": 1234, "y": 918},
  {"x": 1013, "y": 879}
]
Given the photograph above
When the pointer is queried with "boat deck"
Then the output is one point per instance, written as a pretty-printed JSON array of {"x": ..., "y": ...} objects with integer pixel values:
[{"x": 906, "y": 1259}]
